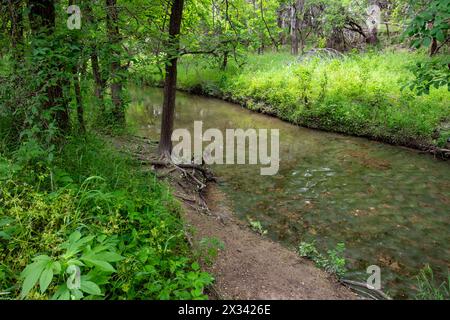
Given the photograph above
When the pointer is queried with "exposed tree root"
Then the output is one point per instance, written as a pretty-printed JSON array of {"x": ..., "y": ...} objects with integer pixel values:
[
  {"x": 166, "y": 163},
  {"x": 365, "y": 290},
  {"x": 199, "y": 176}
]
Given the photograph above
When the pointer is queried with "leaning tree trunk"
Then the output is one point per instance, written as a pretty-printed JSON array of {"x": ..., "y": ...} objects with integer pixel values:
[
  {"x": 168, "y": 113},
  {"x": 115, "y": 66},
  {"x": 42, "y": 18}
]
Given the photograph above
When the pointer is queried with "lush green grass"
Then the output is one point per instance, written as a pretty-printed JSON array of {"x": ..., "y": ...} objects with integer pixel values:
[
  {"x": 93, "y": 208},
  {"x": 359, "y": 95}
]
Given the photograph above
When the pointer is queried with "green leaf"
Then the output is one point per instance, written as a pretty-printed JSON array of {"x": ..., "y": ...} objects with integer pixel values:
[
  {"x": 62, "y": 293},
  {"x": 440, "y": 36},
  {"x": 42, "y": 258},
  {"x": 5, "y": 221},
  {"x": 75, "y": 262},
  {"x": 56, "y": 267},
  {"x": 90, "y": 288},
  {"x": 109, "y": 256},
  {"x": 46, "y": 278},
  {"x": 4, "y": 235},
  {"x": 31, "y": 274},
  {"x": 195, "y": 266},
  {"x": 103, "y": 265},
  {"x": 426, "y": 42}
]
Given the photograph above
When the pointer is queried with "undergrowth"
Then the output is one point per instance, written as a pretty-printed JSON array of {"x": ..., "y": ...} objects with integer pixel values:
[{"x": 87, "y": 224}]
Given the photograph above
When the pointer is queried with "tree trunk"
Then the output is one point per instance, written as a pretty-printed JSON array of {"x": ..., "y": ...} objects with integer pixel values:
[
  {"x": 77, "y": 86},
  {"x": 225, "y": 60},
  {"x": 42, "y": 18},
  {"x": 168, "y": 113},
  {"x": 78, "y": 96},
  {"x": 433, "y": 47},
  {"x": 115, "y": 66},
  {"x": 15, "y": 15},
  {"x": 294, "y": 38},
  {"x": 296, "y": 10},
  {"x": 99, "y": 82},
  {"x": 372, "y": 38},
  {"x": 95, "y": 64}
]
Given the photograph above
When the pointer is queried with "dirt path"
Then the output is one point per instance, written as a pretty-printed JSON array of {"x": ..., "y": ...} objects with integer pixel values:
[
  {"x": 254, "y": 267},
  {"x": 250, "y": 266}
]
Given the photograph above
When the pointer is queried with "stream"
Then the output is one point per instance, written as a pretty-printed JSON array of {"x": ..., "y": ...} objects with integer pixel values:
[{"x": 389, "y": 205}]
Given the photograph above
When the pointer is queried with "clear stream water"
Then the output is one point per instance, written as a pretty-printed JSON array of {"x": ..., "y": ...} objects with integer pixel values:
[{"x": 389, "y": 205}]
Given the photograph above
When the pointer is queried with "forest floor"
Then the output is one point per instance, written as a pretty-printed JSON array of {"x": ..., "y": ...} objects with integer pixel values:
[{"x": 249, "y": 266}]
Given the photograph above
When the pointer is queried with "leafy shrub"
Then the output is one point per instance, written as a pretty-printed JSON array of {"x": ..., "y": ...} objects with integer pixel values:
[
  {"x": 90, "y": 255},
  {"x": 434, "y": 73}
]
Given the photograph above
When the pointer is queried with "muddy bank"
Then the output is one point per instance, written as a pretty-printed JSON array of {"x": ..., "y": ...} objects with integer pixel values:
[{"x": 249, "y": 266}]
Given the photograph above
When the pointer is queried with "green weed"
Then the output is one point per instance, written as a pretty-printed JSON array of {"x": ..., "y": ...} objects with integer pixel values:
[
  {"x": 333, "y": 262},
  {"x": 427, "y": 289},
  {"x": 256, "y": 226}
]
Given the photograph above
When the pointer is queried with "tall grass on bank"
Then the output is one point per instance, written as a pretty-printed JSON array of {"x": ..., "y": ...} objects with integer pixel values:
[{"x": 362, "y": 94}]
